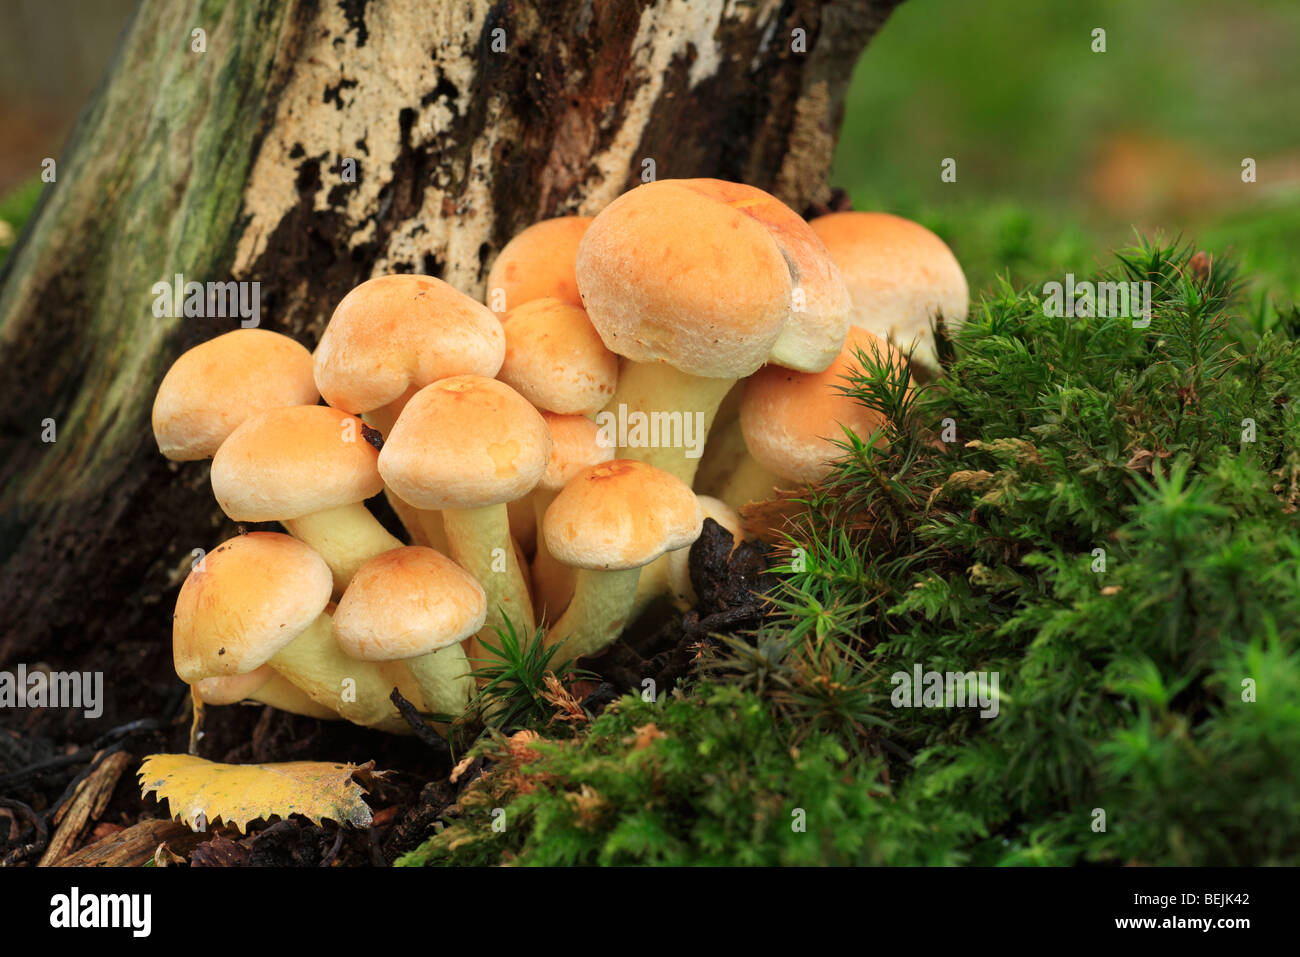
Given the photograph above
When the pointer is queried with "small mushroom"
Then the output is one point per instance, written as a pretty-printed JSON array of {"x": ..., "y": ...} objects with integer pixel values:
[
  {"x": 900, "y": 277},
  {"x": 215, "y": 387},
  {"x": 390, "y": 337},
  {"x": 393, "y": 335},
  {"x": 697, "y": 283},
  {"x": 538, "y": 263},
  {"x": 310, "y": 468},
  {"x": 792, "y": 420},
  {"x": 575, "y": 445},
  {"x": 261, "y": 599},
  {"x": 467, "y": 445},
  {"x": 609, "y": 522},
  {"x": 415, "y": 605},
  {"x": 555, "y": 358}
]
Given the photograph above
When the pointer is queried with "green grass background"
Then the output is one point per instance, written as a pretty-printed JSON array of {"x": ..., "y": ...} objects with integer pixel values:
[{"x": 1014, "y": 93}]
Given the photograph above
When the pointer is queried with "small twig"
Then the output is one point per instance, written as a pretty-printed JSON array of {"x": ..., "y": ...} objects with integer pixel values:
[
  {"x": 376, "y": 852},
  {"x": 85, "y": 754},
  {"x": 72, "y": 785},
  {"x": 333, "y": 852},
  {"x": 84, "y": 801},
  {"x": 122, "y": 730},
  {"x": 53, "y": 764},
  {"x": 20, "y": 854},
  {"x": 417, "y": 723}
]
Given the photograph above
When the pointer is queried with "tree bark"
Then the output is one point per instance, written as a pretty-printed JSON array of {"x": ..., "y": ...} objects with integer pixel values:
[{"x": 466, "y": 122}]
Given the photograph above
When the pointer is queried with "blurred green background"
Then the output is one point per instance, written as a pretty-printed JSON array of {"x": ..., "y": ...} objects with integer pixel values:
[
  {"x": 52, "y": 53},
  {"x": 1060, "y": 151}
]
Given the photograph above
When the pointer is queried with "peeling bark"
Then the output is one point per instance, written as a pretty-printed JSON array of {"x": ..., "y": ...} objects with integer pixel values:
[{"x": 228, "y": 164}]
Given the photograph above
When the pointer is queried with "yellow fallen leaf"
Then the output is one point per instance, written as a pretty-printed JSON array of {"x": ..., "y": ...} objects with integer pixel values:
[{"x": 203, "y": 792}]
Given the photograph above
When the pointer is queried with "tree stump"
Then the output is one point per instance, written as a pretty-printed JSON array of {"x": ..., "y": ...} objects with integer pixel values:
[{"x": 307, "y": 146}]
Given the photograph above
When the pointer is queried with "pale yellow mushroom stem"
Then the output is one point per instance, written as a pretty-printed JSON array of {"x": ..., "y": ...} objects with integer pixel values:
[
  {"x": 346, "y": 537},
  {"x": 443, "y": 677},
  {"x": 659, "y": 388},
  {"x": 479, "y": 541},
  {"x": 552, "y": 581},
  {"x": 751, "y": 482},
  {"x": 602, "y": 602},
  {"x": 357, "y": 690}
]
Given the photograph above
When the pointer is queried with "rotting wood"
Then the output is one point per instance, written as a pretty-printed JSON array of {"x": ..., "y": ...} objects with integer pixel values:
[
  {"x": 136, "y": 845},
  {"x": 83, "y": 809}
]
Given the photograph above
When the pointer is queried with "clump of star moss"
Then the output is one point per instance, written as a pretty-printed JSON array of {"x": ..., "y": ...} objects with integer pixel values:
[{"x": 1106, "y": 515}]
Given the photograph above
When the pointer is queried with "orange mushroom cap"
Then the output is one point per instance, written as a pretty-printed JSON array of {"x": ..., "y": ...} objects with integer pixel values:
[
  {"x": 539, "y": 263},
  {"x": 246, "y": 600},
  {"x": 294, "y": 461},
  {"x": 395, "y": 334},
  {"x": 408, "y": 602},
  {"x": 212, "y": 389},
  {"x": 791, "y": 419},
  {"x": 900, "y": 276},
  {"x": 465, "y": 442},
  {"x": 555, "y": 358},
  {"x": 620, "y": 515},
  {"x": 669, "y": 275}
]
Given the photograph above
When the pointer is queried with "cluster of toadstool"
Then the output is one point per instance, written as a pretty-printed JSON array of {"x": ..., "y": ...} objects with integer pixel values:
[{"x": 497, "y": 433}]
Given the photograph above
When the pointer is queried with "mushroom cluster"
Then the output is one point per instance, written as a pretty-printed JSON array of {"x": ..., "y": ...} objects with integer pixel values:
[{"x": 551, "y": 453}]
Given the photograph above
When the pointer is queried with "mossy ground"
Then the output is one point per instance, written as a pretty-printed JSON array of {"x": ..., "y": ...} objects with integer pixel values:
[{"x": 1113, "y": 529}]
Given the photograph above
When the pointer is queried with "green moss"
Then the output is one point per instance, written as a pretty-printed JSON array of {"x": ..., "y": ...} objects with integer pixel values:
[
  {"x": 714, "y": 782},
  {"x": 1081, "y": 441},
  {"x": 1113, "y": 530}
]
